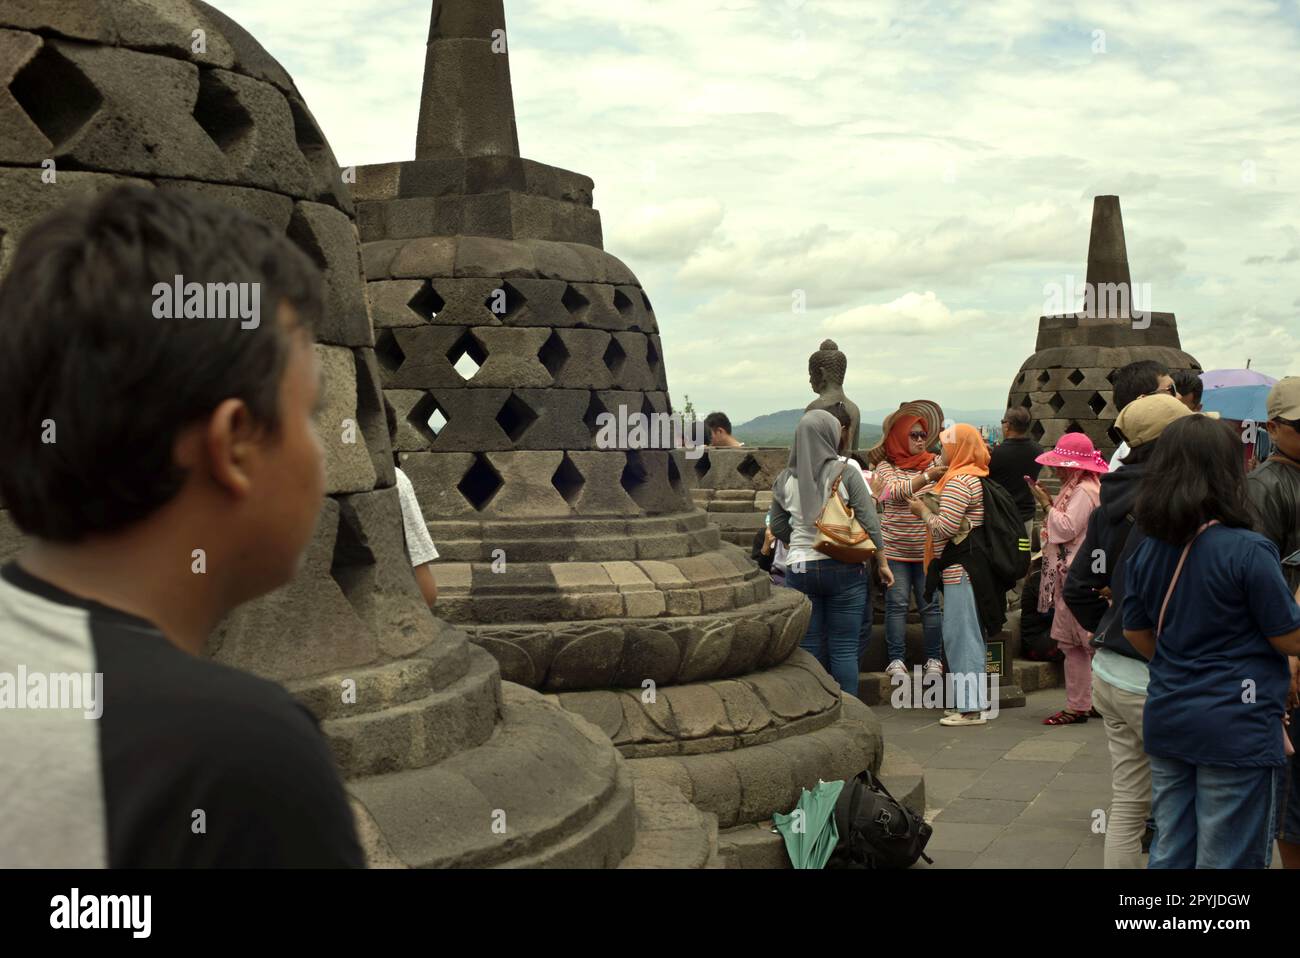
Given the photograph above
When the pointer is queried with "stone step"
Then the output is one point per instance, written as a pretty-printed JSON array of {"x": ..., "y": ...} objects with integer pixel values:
[
  {"x": 421, "y": 732},
  {"x": 874, "y": 688},
  {"x": 547, "y": 790},
  {"x": 670, "y": 831}
]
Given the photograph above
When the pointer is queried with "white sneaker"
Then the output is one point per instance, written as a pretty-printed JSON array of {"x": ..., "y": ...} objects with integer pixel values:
[
  {"x": 959, "y": 719},
  {"x": 933, "y": 667},
  {"x": 896, "y": 667}
]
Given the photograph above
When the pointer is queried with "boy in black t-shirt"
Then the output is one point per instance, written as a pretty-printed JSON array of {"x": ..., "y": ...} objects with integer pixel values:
[{"x": 165, "y": 470}]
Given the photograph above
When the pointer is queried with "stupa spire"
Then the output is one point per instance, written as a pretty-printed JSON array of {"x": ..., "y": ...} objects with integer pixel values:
[
  {"x": 467, "y": 107},
  {"x": 1107, "y": 254}
]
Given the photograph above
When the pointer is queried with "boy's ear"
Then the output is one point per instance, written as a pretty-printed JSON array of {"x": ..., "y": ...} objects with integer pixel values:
[{"x": 224, "y": 446}]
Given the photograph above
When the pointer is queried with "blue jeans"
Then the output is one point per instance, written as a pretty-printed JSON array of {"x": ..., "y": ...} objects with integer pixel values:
[
  {"x": 963, "y": 641},
  {"x": 909, "y": 580},
  {"x": 1209, "y": 816},
  {"x": 837, "y": 591},
  {"x": 868, "y": 617}
]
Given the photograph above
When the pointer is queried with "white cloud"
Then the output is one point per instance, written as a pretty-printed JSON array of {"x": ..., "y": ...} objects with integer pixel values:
[
  {"x": 910, "y": 315},
  {"x": 670, "y": 230}
]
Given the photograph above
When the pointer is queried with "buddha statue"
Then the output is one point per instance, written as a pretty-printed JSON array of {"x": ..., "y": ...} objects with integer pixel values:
[{"x": 826, "y": 369}]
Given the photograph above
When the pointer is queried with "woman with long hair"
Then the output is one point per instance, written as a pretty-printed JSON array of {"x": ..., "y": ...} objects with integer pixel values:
[
  {"x": 836, "y": 589},
  {"x": 1207, "y": 603},
  {"x": 1079, "y": 467}
]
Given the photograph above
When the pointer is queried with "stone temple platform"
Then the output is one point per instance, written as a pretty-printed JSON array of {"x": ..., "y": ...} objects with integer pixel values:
[
  {"x": 503, "y": 332},
  {"x": 734, "y": 486},
  {"x": 446, "y": 764}
]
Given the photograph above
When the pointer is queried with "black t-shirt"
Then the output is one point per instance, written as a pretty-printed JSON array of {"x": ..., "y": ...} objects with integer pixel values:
[
  {"x": 1012, "y": 460},
  {"x": 189, "y": 763}
]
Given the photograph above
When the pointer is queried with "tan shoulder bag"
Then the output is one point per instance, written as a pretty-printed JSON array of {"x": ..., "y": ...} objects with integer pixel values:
[{"x": 839, "y": 534}]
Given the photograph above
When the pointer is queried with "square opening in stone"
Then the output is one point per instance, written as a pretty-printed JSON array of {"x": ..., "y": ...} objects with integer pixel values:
[
  {"x": 388, "y": 351},
  {"x": 574, "y": 302},
  {"x": 428, "y": 418},
  {"x": 553, "y": 354},
  {"x": 505, "y": 301},
  {"x": 59, "y": 116},
  {"x": 515, "y": 417},
  {"x": 1097, "y": 403},
  {"x": 614, "y": 356},
  {"x": 467, "y": 355},
  {"x": 568, "y": 481},
  {"x": 480, "y": 483},
  {"x": 1076, "y": 377},
  {"x": 426, "y": 303},
  {"x": 749, "y": 467}
]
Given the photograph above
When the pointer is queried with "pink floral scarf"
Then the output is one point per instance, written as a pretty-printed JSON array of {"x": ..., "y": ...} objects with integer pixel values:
[{"x": 1055, "y": 564}]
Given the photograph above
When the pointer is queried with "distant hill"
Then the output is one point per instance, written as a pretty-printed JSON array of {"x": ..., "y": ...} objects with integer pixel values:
[{"x": 777, "y": 428}]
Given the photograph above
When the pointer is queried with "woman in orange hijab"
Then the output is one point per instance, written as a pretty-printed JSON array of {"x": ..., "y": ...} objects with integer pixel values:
[{"x": 961, "y": 509}]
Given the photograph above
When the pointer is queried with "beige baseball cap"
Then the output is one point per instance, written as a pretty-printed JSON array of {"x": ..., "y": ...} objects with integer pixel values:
[
  {"x": 1143, "y": 420},
  {"x": 1284, "y": 399}
]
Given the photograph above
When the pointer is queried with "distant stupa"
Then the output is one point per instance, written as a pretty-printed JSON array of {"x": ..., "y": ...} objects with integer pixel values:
[{"x": 1068, "y": 383}]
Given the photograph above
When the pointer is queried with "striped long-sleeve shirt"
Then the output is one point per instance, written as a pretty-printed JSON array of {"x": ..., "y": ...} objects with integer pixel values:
[
  {"x": 963, "y": 498},
  {"x": 904, "y": 532}
]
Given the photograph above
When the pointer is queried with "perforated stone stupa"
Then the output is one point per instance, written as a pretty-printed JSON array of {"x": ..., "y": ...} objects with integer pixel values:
[
  {"x": 1068, "y": 383},
  {"x": 503, "y": 330},
  {"x": 437, "y": 749}
]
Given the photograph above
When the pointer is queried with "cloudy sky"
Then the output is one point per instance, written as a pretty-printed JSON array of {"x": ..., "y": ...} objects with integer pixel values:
[{"x": 917, "y": 172}]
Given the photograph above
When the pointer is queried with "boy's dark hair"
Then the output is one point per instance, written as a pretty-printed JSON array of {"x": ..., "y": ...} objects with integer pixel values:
[
  {"x": 717, "y": 420},
  {"x": 1137, "y": 379},
  {"x": 1018, "y": 419},
  {"x": 1196, "y": 474},
  {"x": 80, "y": 349},
  {"x": 1139, "y": 455},
  {"x": 1188, "y": 382}
]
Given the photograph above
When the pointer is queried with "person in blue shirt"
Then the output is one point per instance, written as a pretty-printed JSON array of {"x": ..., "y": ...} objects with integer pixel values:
[{"x": 1217, "y": 641}]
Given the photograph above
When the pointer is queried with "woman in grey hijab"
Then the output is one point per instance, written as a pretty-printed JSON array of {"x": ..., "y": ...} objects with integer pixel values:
[{"x": 837, "y": 590}]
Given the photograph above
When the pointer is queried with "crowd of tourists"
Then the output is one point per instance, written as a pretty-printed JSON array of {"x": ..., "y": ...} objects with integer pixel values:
[{"x": 1170, "y": 577}]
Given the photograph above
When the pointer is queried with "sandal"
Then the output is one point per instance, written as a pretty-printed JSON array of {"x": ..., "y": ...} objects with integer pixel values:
[
  {"x": 1093, "y": 713},
  {"x": 1066, "y": 717}
]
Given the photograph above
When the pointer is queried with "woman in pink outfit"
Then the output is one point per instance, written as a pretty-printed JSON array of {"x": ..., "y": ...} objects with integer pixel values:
[{"x": 1079, "y": 467}]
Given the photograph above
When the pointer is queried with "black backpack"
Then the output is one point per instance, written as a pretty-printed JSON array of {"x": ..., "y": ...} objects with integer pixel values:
[
  {"x": 1036, "y": 642},
  {"x": 1005, "y": 546},
  {"x": 875, "y": 830}
]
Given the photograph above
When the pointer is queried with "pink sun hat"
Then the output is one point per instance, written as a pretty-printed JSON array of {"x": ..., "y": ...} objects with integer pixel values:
[{"x": 1074, "y": 450}]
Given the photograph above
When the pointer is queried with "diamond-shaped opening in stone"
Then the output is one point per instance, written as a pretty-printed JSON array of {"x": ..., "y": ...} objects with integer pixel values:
[
  {"x": 1056, "y": 402},
  {"x": 1020, "y": 381},
  {"x": 504, "y": 301},
  {"x": 651, "y": 354},
  {"x": 1043, "y": 377},
  {"x": 1037, "y": 430},
  {"x": 646, "y": 300},
  {"x": 1074, "y": 427},
  {"x": 623, "y": 303},
  {"x": 574, "y": 301},
  {"x": 480, "y": 483},
  {"x": 388, "y": 351},
  {"x": 426, "y": 303},
  {"x": 301, "y": 232},
  {"x": 515, "y": 417},
  {"x": 553, "y": 354},
  {"x": 614, "y": 356},
  {"x": 310, "y": 140},
  {"x": 595, "y": 409},
  {"x": 648, "y": 410},
  {"x": 636, "y": 478},
  {"x": 427, "y": 417},
  {"x": 1076, "y": 377},
  {"x": 702, "y": 466},
  {"x": 1027, "y": 402},
  {"x": 1110, "y": 376},
  {"x": 467, "y": 355},
  {"x": 749, "y": 467},
  {"x": 58, "y": 115},
  {"x": 674, "y": 474},
  {"x": 223, "y": 118},
  {"x": 568, "y": 481},
  {"x": 1097, "y": 403}
]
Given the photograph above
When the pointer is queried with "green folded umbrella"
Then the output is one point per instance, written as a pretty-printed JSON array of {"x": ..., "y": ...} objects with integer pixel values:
[{"x": 809, "y": 831}]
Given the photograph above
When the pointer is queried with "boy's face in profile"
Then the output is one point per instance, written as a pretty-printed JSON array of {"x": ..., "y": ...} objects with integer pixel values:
[{"x": 287, "y": 490}]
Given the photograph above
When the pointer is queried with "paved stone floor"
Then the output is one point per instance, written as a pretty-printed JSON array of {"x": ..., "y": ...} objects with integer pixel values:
[{"x": 1013, "y": 793}]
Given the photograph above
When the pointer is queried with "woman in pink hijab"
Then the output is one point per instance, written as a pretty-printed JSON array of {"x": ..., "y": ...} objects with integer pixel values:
[{"x": 1079, "y": 467}]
